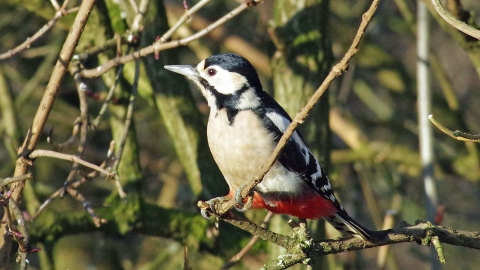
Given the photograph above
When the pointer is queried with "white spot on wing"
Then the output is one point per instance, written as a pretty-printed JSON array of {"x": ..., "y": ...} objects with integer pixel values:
[
  {"x": 326, "y": 187},
  {"x": 317, "y": 174},
  {"x": 279, "y": 121}
]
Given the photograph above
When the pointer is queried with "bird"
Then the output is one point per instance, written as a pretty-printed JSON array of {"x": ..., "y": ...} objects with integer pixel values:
[{"x": 244, "y": 125}]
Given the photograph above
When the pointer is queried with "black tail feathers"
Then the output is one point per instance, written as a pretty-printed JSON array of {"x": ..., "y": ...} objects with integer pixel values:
[{"x": 342, "y": 222}]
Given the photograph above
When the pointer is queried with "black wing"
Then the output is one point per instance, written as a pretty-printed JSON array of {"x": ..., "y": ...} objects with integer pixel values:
[{"x": 296, "y": 156}]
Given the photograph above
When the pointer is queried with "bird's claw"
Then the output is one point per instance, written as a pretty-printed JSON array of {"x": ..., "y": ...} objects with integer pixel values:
[
  {"x": 206, "y": 214},
  {"x": 211, "y": 211},
  {"x": 244, "y": 207},
  {"x": 240, "y": 206}
]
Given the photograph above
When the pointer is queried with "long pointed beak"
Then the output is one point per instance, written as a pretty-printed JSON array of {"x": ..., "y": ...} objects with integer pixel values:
[{"x": 186, "y": 70}]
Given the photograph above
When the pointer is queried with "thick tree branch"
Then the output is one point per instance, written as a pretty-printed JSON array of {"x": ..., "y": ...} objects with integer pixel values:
[
  {"x": 46, "y": 105},
  {"x": 301, "y": 248}
]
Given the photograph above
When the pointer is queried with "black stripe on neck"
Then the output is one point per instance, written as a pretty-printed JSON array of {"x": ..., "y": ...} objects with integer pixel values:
[{"x": 229, "y": 102}]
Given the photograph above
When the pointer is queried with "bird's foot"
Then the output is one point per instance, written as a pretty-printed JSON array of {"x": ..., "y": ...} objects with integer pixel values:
[
  {"x": 209, "y": 209},
  {"x": 240, "y": 206}
]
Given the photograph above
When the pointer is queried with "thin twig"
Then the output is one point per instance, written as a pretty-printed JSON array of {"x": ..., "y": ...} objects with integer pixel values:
[
  {"x": 59, "y": 146},
  {"x": 183, "y": 19},
  {"x": 109, "y": 44},
  {"x": 137, "y": 22},
  {"x": 450, "y": 19},
  {"x": 81, "y": 89},
  {"x": 237, "y": 257},
  {"x": 336, "y": 71},
  {"x": 457, "y": 134},
  {"x": 72, "y": 158},
  {"x": 158, "y": 46},
  {"x": 9, "y": 180},
  {"x": 55, "y": 4},
  {"x": 88, "y": 206},
  {"x": 111, "y": 91},
  {"x": 75, "y": 184},
  {"x": 29, "y": 41},
  {"x": 127, "y": 125}
]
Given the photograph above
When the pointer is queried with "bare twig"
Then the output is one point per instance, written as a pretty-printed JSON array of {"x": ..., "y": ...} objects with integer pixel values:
[
  {"x": 72, "y": 158},
  {"x": 111, "y": 91},
  {"x": 237, "y": 257},
  {"x": 88, "y": 206},
  {"x": 59, "y": 146},
  {"x": 158, "y": 46},
  {"x": 336, "y": 71},
  {"x": 108, "y": 45},
  {"x": 457, "y": 134},
  {"x": 9, "y": 180},
  {"x": 55, "y": 4},
  {"x": 127, "y": 124},
  {"x": 188, "y": 13},
  {"x": 137, "y": 22},
  {"x": 450, "y": 19},
  {"x": 75, "y": 184},
  {"x": 29, "y": 41}
]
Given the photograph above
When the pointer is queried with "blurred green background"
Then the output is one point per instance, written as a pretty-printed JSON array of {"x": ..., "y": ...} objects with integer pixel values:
[{"x": 371, "y": 152}]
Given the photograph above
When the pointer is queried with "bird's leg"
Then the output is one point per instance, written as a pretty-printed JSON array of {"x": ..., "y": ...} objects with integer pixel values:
[
  {"x": 240, "y": 206},
  {"x": 213, "y": 205}
]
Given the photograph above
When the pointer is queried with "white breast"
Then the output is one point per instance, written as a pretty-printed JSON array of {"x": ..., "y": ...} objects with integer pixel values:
[{"x": 241, "y": 149}]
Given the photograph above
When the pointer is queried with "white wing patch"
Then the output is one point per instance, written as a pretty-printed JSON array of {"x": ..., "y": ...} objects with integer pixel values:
[
  {"x": 279, "y": 121},
  {"x": 282, "y": 124}
]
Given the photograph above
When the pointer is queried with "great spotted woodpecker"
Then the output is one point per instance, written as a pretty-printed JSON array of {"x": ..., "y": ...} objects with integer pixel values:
[{"x": 244, "y": 126}]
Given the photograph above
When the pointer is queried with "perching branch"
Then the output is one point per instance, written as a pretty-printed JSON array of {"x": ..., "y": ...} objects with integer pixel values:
[
  {"x": 300, "y": 247},
  {"x": 336, "y": 71},
  {"x": 450, "y": 19}
]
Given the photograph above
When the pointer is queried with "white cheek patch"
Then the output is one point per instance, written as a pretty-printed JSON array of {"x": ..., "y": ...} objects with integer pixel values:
[{"x": 223, "y": 81}]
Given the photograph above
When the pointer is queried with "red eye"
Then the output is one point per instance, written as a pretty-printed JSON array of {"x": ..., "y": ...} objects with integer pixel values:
[{"x": 211, "y": 72}]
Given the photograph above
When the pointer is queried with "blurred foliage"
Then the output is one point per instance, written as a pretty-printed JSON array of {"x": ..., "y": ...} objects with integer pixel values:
[{"x": 168, "y": 167}]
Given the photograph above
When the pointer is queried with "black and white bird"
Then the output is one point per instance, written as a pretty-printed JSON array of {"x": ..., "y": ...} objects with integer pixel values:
[{"x": 244, "y": 126}]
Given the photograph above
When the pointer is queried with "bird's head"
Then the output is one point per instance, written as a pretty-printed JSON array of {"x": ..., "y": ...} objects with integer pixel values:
[{"x": 226, "y": 80}]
